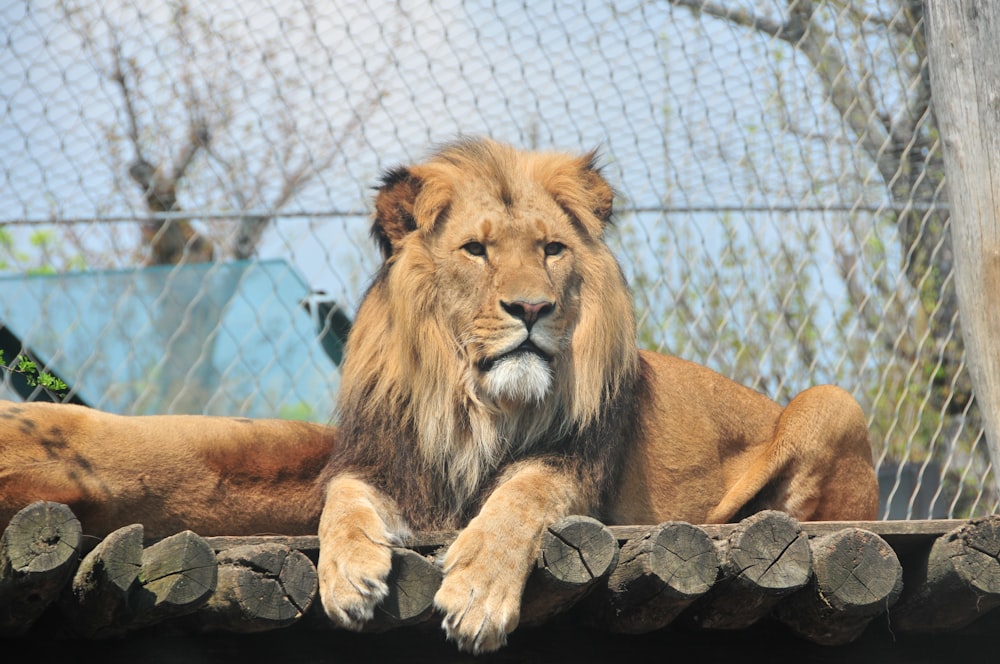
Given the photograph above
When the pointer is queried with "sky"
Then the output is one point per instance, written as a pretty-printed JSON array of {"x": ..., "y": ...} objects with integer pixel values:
[{"x": 677, "y": 107}]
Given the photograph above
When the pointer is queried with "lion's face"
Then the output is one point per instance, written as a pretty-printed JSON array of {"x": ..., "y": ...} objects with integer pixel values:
[
  {"x": 507, "y": 283},
  {"x": 500, "y": 317}
]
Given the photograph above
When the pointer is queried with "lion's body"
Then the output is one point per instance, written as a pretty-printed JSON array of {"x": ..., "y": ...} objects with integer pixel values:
[
  {"x": 213, "y": 475},
  {"x": 492, "y": 384}
]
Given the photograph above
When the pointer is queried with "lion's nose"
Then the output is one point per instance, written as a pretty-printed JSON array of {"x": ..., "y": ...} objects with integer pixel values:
[{"x": 529, "y": 312}]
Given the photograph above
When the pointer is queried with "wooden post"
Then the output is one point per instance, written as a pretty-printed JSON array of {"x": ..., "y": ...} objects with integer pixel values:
[
  {"x": 765, "y": 559},
  {"x": 576, "y": 553},
  {"x": 97, "y": 605},
  {"x": 957, "y": 583},
  {"x": 260, "y": 587},
  {"x": 38, "y": 553},
  {"x": 659, "y": 574},
  {"x": 964, "y": 55},
  {"x": 856, "y": 577}
]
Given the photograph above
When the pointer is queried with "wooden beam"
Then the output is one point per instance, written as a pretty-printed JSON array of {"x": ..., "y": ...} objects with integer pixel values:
[
  {"x": 964, "y": 55},
  {"x": 896, "y": 533}
]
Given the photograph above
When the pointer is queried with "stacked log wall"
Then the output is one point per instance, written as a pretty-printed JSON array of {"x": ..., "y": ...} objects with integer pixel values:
[{"x": 823, "y": 582}]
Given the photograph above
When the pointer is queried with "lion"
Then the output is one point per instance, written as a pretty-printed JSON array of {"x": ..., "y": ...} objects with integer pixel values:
[{"x": 492, "y": 385}]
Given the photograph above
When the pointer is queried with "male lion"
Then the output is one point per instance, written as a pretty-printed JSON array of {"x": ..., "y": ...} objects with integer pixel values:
[{"x": 492, "y": 384}]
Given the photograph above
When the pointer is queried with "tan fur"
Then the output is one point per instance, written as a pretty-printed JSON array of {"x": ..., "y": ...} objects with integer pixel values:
[
  {"x": 438, "y": 428},
  {"x": 213, "y": 475}
]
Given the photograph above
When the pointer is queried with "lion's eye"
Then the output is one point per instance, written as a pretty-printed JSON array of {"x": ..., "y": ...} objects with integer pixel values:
[
  {"x": 474, "y": 248},
  {"x": 554, "y": 248}
]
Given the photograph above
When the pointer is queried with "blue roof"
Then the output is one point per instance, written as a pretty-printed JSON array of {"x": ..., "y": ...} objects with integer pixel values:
[{"x": 216, "y": 338}]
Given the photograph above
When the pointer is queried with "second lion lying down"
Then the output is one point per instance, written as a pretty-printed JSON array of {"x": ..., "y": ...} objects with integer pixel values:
[{"x": 492, "y": 384}]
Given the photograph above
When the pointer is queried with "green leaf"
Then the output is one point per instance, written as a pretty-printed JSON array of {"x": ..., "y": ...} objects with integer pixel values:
[{"x": 34, "y": 377}]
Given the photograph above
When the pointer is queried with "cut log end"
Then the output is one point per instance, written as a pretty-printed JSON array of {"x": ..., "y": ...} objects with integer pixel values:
[
  {"x": 658, "y": 576},
  {"x": 576, "y": 553},
  {"x": 413, "y": 582},
  {"x": 856, "y": 578},
  {"x": 765, "y": 559},
  {"x": 958, "y": 584},
  {"x": 260, "y": 587},
  {"x": 97, "y": 605},
  {"x": 769, "y": 553},
  {"x": 41, "y": 538},
  {"x": 178, "y": 575},
  {"x": 39, "y": 550}
]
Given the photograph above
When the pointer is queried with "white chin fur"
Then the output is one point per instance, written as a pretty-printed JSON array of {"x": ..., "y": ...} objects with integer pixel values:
[{"x": 522, "y": 377}]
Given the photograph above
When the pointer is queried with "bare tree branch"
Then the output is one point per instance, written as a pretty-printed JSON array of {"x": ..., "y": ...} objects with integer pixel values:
[
  {"x": 170, "y": 241},
  {"x": 739, "y": 17},
  {"x": 251, "y": 228},
  {"x": 118, "y": 76},
  {"x": 841, "y": 86}
]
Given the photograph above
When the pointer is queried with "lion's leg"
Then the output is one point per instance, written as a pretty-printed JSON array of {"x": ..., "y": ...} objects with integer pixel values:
[
  {"x": 358, "y": 528},
  {"x": 486, "y": 567},
  {"x": 818, "y": 465}
]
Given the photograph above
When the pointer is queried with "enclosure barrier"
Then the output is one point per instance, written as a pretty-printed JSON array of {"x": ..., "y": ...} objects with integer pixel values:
[{"x": 185, "y": 193}]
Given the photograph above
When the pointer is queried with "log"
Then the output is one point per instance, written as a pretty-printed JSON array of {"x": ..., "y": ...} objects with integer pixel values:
[
  {"x": 658, "y": 575},
  {"x": 97, "y": 604},
  {"x": 964, "y": 54},
  {"x": 576, "y": 553},
  {"x": 178, "y": 575},
  {"x": 765, "y": 559},
  {"x": 39, "y": 550},
  {"x": 260, "y": 587},
  {"x": 413, "y": 582},
  {"x": 856, "y": 577},
  {"x": 956, "y": 583}
]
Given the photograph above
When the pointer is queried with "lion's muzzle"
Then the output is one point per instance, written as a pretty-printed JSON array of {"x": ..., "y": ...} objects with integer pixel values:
[
  {"x": 527, "y": 347},
  {"x": 528, "y": 312}
]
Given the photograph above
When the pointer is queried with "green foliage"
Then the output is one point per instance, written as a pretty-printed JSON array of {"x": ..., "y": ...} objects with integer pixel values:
[
  {"x": 40, "y": 251},
  {"x": 298, "y": 411},
  {"x": 32, "y": 374}
]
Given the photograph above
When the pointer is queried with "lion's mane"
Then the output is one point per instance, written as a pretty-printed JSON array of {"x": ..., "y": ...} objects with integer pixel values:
[{"x": 410, "y": 419}]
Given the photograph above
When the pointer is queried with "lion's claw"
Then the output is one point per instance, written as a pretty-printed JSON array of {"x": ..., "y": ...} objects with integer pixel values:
[
  {"x": 352, "y": 584},
  {"x": 351, "y": 604},
  {"x": 475, "y": 628},
  {"x": 480, "y": 605},
  {"x": 355, "y": 611}
]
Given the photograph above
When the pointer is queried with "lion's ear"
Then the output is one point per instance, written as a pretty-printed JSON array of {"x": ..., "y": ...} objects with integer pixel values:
[
  {"x": 602, "y": 195},
  {"x": 394, "y": 209},
  {"x": 577, "y": 185},
  {"x": 409, "y": 199}
]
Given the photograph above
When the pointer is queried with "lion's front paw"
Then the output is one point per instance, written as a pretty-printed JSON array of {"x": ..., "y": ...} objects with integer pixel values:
[
  {"x": 352, "y": 579},
  {"x": 480, "y": 595}
]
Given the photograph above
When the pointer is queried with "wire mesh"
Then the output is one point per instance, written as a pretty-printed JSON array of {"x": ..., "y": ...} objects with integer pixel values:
[{"x": 781, "y": 209}]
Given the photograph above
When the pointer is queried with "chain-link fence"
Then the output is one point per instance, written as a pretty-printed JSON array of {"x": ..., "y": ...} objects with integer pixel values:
[{"x": 185, "y": 192}]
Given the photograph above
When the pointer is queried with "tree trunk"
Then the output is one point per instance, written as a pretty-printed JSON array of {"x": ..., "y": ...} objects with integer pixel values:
[{"x": 964, "y": 57}]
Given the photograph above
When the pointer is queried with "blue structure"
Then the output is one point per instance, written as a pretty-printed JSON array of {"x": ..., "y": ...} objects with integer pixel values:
[{"x": 241, "y": 338}]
